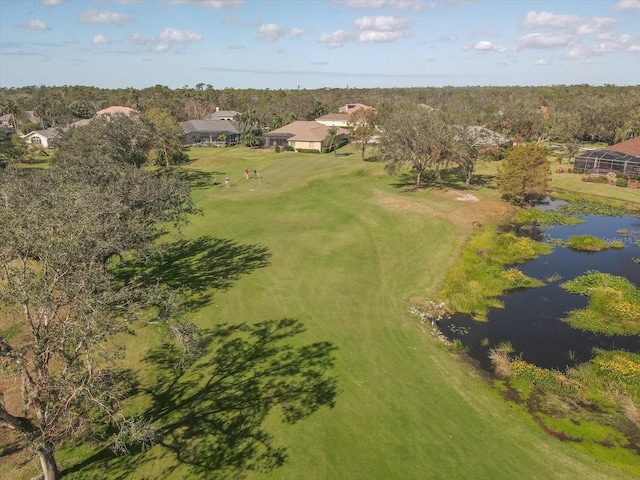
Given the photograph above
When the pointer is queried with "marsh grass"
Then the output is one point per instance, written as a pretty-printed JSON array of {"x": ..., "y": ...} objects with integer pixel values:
[
  {"x": 614, "y": 304},
  {"x": 480, "y": 277},
  {"x": 593, "y": 406},
  {"x": 586, "y": 243}
]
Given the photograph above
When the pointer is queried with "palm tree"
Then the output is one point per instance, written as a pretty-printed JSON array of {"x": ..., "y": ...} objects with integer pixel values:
[
  {"x": 276, "y": 122},
  {"x": 332, "y": 133},
  {"x": 247, "y": 120},
  {"x": 39, "y": 112},
  {"x": 12, "y": 109}
]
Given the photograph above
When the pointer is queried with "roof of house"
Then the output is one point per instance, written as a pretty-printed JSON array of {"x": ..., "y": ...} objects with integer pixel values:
[
  {"x": 352, "y": 107},
  {"x": 116, "y": 109},
  {"x": 48, "y": 133},
  {"x": 222, "y": 114},
  {"x": 630, "y": 147},
  {"x": 208, "y": 125},
  {"x": 304, "y": 131},
  {"x": 339, "y": 117}
]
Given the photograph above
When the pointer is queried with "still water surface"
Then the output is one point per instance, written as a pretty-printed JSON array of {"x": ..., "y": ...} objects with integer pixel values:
[{"x": 531, "y": 319}]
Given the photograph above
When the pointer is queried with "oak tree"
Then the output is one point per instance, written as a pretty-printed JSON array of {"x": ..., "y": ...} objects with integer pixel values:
[
  {"x": 63, "y": 311},
  {"x": 416, "y": 136}
]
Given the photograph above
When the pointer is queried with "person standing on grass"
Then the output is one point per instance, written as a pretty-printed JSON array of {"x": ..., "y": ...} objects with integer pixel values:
[
  {"x": 255, "y": 173},
  {"x": 226, "y": 182},
  {"x": 246, "y": 173}
]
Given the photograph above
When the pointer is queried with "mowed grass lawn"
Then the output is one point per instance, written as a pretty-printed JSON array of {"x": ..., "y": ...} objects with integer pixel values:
[{"x": 349, "y": 252}]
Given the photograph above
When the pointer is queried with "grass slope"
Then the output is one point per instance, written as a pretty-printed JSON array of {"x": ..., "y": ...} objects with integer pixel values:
[{"x": 349, "y": 251}]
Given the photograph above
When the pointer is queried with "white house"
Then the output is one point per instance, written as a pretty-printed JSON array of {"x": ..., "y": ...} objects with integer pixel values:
[{"x": 43, "y": 138}]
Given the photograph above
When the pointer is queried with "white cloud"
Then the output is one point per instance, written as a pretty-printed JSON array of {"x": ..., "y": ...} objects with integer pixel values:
[
  {"x": 271, "y": 32},
  {"x": 627, "y": 5},
  {"x": 634, "y": 48},
  {"x": 542, "y": 61},
  {"x": 101, "y": 39},
  {"x": 613, "y": 44},
  {"x": 173, "y": 35},
  {"x": 369, "y": 30},
  {"x": 380, "y": 37},
  {"x": 543, "y": 40},
  {"x": 597, "y": 25},
  {"x": 381, "y": 29},
  {"x": 162, "y": 48},
  {"x": 548, "y": 20},
  {"x": 298, "y": 32},
  {"x": 382, "y": 24},
  {"x": 336, "y": 39},
  {"x": 415, "y": 5},
  {"x": 210, "y": 4},
  {"x": 37, "y": 25},
  {"x": 102, "y": 16},
  {"x": 52, "y": 3},
  {"x": 486, "y": 46}
]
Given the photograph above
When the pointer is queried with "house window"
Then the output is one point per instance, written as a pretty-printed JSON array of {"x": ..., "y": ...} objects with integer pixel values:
[{"x": 36, "y": 140}]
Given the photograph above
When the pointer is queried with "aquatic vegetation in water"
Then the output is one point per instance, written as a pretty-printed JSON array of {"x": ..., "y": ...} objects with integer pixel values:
[
  {"x": 614, "y": 304},
  {"x": 586, "y": 243},
  {"x": 586, "y": 207}
]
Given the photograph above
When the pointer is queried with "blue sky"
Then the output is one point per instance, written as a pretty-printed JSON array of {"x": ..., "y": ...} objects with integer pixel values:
[{"x": 318, "y": 43}]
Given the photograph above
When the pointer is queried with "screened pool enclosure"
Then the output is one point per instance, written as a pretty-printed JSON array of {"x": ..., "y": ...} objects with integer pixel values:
[{"x": 601, "y": 162}]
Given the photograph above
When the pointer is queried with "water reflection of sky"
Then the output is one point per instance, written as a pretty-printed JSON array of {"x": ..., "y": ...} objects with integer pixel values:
[{"x": 531, "y": 319}]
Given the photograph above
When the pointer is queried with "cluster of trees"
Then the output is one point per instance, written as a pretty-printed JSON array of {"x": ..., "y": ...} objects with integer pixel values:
[
  {"x": 429, "y": 141},
  {"x": 154, "y": 137},
  {"x": 571, "y": 113}
]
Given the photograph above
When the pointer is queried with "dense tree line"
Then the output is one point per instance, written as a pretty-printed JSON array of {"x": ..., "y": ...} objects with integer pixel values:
[{"x": 561, "y": 113}]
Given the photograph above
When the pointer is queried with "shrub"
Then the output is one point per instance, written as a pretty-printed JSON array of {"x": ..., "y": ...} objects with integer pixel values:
[
  {"x": 622, "y": 182},
  {"x": 277, "y": 148},
  {"x": 288, "y": 148},
  {"x": 307, "y": 150}
]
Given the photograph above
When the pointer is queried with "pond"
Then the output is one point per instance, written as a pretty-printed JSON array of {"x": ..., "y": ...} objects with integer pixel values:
[{"x": 531, "y": 319}]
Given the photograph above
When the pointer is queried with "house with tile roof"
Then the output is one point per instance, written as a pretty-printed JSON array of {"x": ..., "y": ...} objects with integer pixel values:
[
  {"x": 352, "y": 107},
  {"x": 303, "y": 135},
  {"x": 628, "y": 147},
  {"x": 116, "y": 110}
]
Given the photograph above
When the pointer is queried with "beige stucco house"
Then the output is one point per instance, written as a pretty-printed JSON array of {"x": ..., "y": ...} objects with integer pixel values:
[{"x": 302, "y": 135}]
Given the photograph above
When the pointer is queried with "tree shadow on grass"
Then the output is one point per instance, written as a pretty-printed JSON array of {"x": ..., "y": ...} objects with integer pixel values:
[
  {"x": 198, "y": 178},
  {"x": 449, "y": 179},
  {"x": 196, "y": 267},
  {"x": 212, "y": 415}
]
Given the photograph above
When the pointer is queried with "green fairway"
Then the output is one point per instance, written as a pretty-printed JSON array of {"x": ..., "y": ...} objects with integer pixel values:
[{"x": 348, "y": 253}]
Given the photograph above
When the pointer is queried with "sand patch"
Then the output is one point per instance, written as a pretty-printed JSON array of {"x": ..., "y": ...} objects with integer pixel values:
[{"x": 466, "y": 210}]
